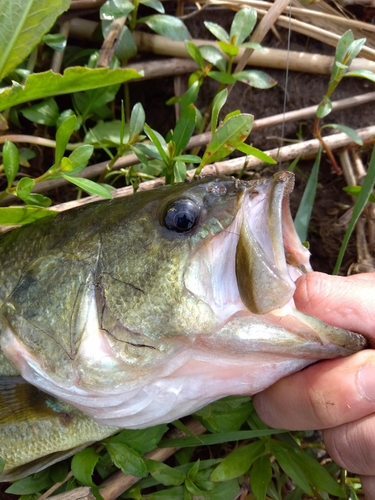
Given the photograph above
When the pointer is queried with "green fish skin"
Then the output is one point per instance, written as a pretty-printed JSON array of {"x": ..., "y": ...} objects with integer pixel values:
[{"x": 138, "y": 311}]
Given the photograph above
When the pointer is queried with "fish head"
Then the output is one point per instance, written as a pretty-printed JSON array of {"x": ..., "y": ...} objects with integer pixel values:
[{"x": 142, "y": 310}]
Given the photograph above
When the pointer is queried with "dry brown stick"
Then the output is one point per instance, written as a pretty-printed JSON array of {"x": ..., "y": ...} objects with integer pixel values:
[
  {"x": 108, "y": 47},
  {"x": 81, "y": 493},
  {"x": 119, "y": 482}
]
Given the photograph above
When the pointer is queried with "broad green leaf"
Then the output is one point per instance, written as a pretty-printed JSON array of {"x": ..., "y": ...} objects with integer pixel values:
[
  {"x": 38, "y": 200},
  {"x": 218, "y": 102},
  {"x": 347, "y": 130},
  {"x": 62, "y": 138},
  {"x": 251, "y": 151},
  {"x": 217, "y": 31},
  {"x": 227, "y": 137},
  {"x": 228, "y": 49},
  {"x": 11, "y": 216},
  {"x": 260, "y": 476},
  {"x": 243, "y": 24},
  {"x": 90, "y": 187},
  {"x": 179, "y": 171},
  {"x": 153, "y": 4},
  {"x": 83, "y": 465},
  {"x": 31, "y": 484},
  {"x": 255, "y": 78},
  {"x": 221, "y": 77},
  {"x": 107, "y": 134},
  {"x": 238, "y": 462},
  {"x": 367, "y": 187},
  {"x": 324, "y": 108},
  {"x": 55, "y": 41},
  {"x": 114, "y": 9},
  {"x": 94, "y": 101},
  {"x": 362, "y": 73},
  {"x": 213, "y": 56},
  {"x": 44, "y": 113},
  {"x": 303, "y": 214},
  {"x": 10, "y": 161},
  {"x": 168, "y": 26},
  {"x": 141, "y": 440},
  {"x": 137, "y": 121},
  {"x": 225, "y": 415},
  {"x": 24, "y": 187},
  {"x": 159, "y": 142},
  {"x": 184, "y": 129},
  {"x": 126, "y": 459},
  {"x": 80, "y": 156},
  {"x": 168, "y": 476},
  {"x": 195, "y": 53},
  {"x": 75, "y": 79},
  {"x": 125, "y": 46},
  {"x": 22, "y": 25}
]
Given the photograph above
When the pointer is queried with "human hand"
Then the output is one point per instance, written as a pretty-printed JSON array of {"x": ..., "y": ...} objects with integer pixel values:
[{"x": 335, "y": 395}]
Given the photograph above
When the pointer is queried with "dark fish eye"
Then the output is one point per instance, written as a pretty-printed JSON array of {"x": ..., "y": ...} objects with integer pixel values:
[{"x": 181, "y": 216}]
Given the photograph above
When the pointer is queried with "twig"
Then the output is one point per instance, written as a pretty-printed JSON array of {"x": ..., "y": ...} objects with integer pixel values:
[{"x": 108, "y": 47}]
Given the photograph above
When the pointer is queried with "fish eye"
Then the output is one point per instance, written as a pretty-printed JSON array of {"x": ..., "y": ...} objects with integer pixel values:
[{"x": 181, "y": 216}]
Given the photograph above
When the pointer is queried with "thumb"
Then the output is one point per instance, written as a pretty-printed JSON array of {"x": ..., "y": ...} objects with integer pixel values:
[{"x": 347, "y": 302}]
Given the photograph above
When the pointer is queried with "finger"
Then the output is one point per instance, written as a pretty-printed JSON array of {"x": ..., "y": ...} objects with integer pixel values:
[
  {"x": 368, "y": 486},
  {"x": 324, "y": 395},
  {"x": 352, "y": 445},
  {"x": 347, "y": 302}
]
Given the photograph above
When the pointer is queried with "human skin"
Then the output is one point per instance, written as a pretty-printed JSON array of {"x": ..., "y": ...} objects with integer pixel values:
[{"x": 337, "y": 395}]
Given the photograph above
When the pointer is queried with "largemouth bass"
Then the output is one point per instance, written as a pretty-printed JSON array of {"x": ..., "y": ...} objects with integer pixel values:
[{"x": 141, "y": 310}]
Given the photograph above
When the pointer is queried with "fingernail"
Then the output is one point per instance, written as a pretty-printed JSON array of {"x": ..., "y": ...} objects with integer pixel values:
[{"x": 366, "y": 381}]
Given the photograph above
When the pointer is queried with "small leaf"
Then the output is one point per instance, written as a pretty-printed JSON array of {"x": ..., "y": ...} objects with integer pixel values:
[
  {"x": 55, "y": 41},
  {"x": 195, "y": 53},
  {"x": 137, "y": 121},
  {"x": 238, "y": 462},
  {"x": 24, "y": 187},
  {"x": 44, "y": 113},
  {"x": 126, "y": 47},
  {"x": 11, "y": 216},
  {"x": 260, "y": 476},
  {"x": 83, "y": 465},
  {"x": 190, "y": 96},
  {"x": 126, "y": 459},
  {"x": 81, "y": 155},
  {"x": 38, "y": 200},
  {"x": 228, "y": 49},
  {"x": 40, "y": 480},
  {"x": 179, "y": 171},
  {"x": 362, "y": 73},
  {"x": 168, "y": 476},
  {"x": 251, "y": 151},
  {"x": 255, "y": 78},
  {"x": 184, "y": 129},
  {"x": 355, "y": 190},
  {"x": 168, "y": 26},
  {"x": 114, "y": 9},
  {"x": 218, "y": 102},
  {"x": 243, "y": 24},
  {"x": 10, "y": 161},
  {"x": 324, "y": 108},
  {"x": 217, "y": 31},
  {"x": 222, "y": 77},
  {"x": 159, "y": 142},
  {"x": 62, "y": 138},
  {"x": 188, "y": 158},
  {"x": 141, "y": 440},
  {"x": 347, "y": 130},
  {"x": 153, "y": 4},
  {"x": 252, "y": 45},
  {"x": 213, "y": 56},
  {"x": 90, "y": 187}
]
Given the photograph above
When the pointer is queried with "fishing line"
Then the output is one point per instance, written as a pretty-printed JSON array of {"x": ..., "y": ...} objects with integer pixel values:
[{"x": 286, "y": 76}]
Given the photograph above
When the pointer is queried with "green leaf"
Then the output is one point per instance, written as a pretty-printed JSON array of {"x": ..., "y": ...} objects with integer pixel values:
[
  {"x": 347, "y": 130},
  {"x": 218, "y": 102},
  {"x": 55, "y": 41},
  {"x": 168, "y": 26},
  {"x": 168, "y": 476},
  {"x": 179, "y": 171},
  {"x": 126, "y": 459},
  {"x": 107, "y": 134},
  {"x": 243, "y": 24},
  {"x": 238, "y": 462},
  {"x": 195, "y": 53},
  {"x": 255, "y": 78},
  {"x": 93, "y": 102},
  {"x": 10, "y": 161},
  {"x": 213, "y": 56},
  {"x": 2, "y": 464},
  {"x": 362, "y": 73},
  {"x": 221, "y": 77},
  {"x": 153, "y": 4},
  {"x": 159, "y": 142},
  {"x": 11, "y": 216},
  {"x": 80, "y": 156},
  {"x": 31, "y": 484},
  {"x": 303, "y": 214},
  {"x": 228, "y": 49},
  {"x": 184, "y": 129},
  {"x": 251, "y": 151},
  {"x": 188, "y": 158},
  {"x": 227, "y": 137},
  {"x": 114, "y": 9},
  {"x": 141, "y": 440},
  {"x": 217, "y": 31},
  {"x": 252, "y": 45},
  {"x": 260, "y": 476},
  {"x": 341, "y": 50},
  {"x": 22, "y": 25},
  {"x": 44, "y": 113},
  {"x": 24, "y": 188},
  {"x": 190, "y": 96},
  {"x": 137, "y": 121},
  {"x": 367, "y": 186},
  {"x": 62, "y": 138},
  {"x": 225, "y": 415},
  {"x": 75, "y": 79},
  {"x": 83, "y": 465},
  {"x": 90, "y": 187},
  {"x": 125, "y": 47},
  {"x": 38, "y": 200},
  {"x": 324, "y": 108},
  {"x": 355, "y": 190}
]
